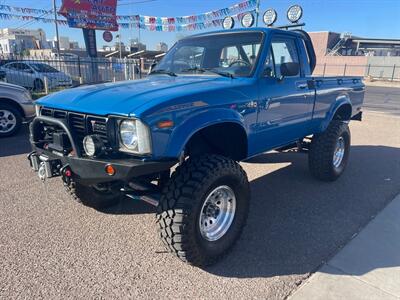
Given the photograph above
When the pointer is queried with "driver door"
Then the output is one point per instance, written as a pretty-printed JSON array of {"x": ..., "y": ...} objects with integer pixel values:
[{"x": 285, "y": 105}]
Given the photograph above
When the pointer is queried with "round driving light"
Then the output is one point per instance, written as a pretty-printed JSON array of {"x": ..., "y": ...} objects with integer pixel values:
[
  {"x": 228, "y": 23},
  {"x": 294, "y": 13},
  {"x": 128, "y": 134},
  {"x": 93, "y": 145},
  {"x": 270, "y": 17},
  {"x": 247, "y": 20}
]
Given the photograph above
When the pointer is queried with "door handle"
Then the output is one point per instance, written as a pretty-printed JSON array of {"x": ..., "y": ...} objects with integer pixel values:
[{"x": 302, "y": 86}]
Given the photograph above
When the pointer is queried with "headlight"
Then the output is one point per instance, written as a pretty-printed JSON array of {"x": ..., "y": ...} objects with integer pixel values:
[{"x": 134, "y": 137}]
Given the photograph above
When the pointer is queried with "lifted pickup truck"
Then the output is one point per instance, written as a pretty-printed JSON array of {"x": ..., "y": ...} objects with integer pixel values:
[{"x": 215, "y": 99}]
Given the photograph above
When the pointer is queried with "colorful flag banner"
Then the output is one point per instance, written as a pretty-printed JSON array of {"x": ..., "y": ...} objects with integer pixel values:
[
  {"x": 151, "y": 27},
  {"x": 80, "y": 12}
]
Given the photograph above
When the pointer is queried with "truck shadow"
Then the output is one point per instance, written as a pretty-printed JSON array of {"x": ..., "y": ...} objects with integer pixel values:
[{"x": 296, "y": 222}]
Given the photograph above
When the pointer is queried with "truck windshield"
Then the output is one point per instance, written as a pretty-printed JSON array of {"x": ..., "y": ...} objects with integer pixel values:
[{"x": 227, "y": 54}]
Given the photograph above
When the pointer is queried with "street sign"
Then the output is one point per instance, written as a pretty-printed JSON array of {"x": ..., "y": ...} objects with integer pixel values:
[{"x": 107, "y": 36}]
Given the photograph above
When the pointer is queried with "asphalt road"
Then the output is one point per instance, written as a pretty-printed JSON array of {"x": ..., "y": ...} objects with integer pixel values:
[
  {"x": 51, "y": 247},
  {"x": 383, "y": 99}
]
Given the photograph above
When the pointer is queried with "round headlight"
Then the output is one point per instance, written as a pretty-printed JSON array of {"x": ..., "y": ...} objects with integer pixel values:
[
  {"x": 128, "y": 133},
  {"x": 93, "y": 145}
]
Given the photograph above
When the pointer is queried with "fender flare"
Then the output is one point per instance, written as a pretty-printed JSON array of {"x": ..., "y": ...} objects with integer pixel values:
[
  {"x": 184, "y": 132},
  {"x": 340, "y": 101}
]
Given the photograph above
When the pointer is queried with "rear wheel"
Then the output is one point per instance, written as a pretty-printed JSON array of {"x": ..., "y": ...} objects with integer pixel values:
[
  {"x": 10, "y": 120},
  {"x": 329, "y": 151},
  {"x": 96, "y": 196},
  {"x": 204, "y": 208}
]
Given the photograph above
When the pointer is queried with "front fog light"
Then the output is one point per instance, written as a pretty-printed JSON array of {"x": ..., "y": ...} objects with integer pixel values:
[{"x": 93, "y": 145}]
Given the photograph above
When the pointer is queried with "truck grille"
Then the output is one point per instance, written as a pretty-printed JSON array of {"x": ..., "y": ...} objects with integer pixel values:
[{"x": 80, "y": 124}]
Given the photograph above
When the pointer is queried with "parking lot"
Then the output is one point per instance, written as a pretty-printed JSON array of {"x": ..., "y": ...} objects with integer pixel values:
[{"x": 51, "y": 246}]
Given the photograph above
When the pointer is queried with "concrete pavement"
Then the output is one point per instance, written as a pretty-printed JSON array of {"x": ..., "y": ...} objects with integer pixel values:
[{"x": 368, "y": 267}]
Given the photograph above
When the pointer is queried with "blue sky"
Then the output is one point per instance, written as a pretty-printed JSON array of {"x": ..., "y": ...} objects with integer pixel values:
[{"x": 366, "y": 18}]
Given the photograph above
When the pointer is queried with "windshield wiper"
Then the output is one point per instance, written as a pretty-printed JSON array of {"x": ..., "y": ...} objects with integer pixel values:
[
  {"x": 202, "y": 70},
  {"x": 162, "y": 71}
]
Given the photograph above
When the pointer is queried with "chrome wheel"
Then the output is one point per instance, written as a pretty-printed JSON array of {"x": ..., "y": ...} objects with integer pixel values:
[
  {"x": 217, "y": 213},
  {"x": 8, "y": 121},
  {"x": 339, "y": 152}
]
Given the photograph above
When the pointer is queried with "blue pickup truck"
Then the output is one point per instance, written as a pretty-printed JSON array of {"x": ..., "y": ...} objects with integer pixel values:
[{"x": 175, "y": 138}]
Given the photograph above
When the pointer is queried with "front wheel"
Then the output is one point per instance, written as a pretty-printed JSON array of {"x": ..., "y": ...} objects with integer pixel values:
[
  {"x": 329, "y": 151},
  {"x": 204, "y": 208}
]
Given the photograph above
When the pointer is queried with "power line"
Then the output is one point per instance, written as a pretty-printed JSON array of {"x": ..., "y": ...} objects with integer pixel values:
[{"x": 135, "y": 2}]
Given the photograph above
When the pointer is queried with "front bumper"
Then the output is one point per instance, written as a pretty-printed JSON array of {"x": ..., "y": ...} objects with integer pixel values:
[{"x": 89, "y": 170}]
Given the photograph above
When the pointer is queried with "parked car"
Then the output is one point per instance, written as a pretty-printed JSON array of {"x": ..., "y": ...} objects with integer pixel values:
[
  {"x": 31, "y": 74},
  {"x": 215, "y": 99},
  {"x": 16, "y": 107}
]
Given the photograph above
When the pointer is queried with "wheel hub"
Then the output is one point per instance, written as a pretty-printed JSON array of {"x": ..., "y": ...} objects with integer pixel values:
[
  {"x": 217, "y": 213},
  {"x": 339, "y": 152},
  {"x": 7, "y": 121}
]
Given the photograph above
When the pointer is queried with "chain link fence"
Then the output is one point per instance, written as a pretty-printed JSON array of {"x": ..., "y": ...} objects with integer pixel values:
[
  {"x": 45, "y": 75},
  {"x": 42, "y": 75}
]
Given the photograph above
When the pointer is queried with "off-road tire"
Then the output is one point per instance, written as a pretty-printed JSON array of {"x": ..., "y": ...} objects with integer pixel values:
[
  {"x": 322, "y": 148},
  {"x": 89, "y": 196},
  {"x": 182, "y": 200},
  {"x": 18, "y": 117}
]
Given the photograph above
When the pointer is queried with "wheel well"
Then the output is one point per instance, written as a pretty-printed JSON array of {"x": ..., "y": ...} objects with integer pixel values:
[
  {"x": 343, "y": 113},
  {"x": 13, "y": 104},
  {"x": 228, "y": 139}
]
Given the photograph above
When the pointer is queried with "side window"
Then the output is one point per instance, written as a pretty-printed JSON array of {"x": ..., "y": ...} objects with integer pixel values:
[
  {"x": 269, "y": 68},
  {"x": 284, "y": 51},
  {"x": 11, "y": 66}
]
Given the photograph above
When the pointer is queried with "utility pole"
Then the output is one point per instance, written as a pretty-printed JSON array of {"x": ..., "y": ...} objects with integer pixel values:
[
  {"x": 257, "y": 11},
  {"x": 119, "y": 42},
  {"x": 56, "y": 25}
]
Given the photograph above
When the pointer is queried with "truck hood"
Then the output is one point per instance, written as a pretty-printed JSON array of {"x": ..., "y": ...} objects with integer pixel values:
[{"x": 125, "y": 98}]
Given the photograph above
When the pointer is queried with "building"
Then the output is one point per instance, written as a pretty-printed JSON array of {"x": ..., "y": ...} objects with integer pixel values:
[
  {"x": 161, "y": 46},
  {"x": 346, "y": 54},
  {"x": 136, "y": 46},
  {"x": 16, "y": 41},
  {"x": 346, "y": 44},
  {"x": 64, "y": 42}
]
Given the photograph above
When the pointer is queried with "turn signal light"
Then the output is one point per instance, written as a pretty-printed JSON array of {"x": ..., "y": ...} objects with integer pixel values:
[
  {"x": 110, "y": 170},
  {"x": 165, "y": 124}
]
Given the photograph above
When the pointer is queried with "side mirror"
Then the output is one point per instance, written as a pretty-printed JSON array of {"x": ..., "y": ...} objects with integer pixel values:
[{"x": 289, "y": 69}]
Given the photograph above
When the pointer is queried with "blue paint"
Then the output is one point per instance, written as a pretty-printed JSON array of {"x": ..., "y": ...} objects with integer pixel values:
[{"x": 271, "y": 112}]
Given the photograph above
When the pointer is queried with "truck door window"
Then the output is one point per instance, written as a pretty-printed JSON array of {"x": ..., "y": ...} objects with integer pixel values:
[
  {"x": 269, "y": 68},
  {"x": 284, "y": 51}
]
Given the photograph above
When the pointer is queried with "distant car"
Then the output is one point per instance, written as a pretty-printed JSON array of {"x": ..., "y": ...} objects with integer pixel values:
[
  {"x": 31, "y": 75},
  {"x": 16, "y": 106}
]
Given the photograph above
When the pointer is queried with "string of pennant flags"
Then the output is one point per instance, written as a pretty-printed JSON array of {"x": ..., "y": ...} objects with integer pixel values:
[
  {"x": 137, "y": 25},
  {"x": 147, "y": 22}
]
